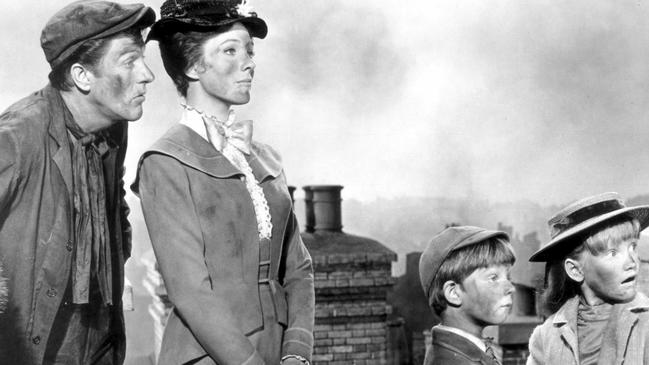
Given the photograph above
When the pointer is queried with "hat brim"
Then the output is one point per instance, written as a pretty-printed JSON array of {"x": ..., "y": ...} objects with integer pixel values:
[
  {"x": 143, "y": 18},
  {"x": 479, "y": 237},
  {"x": 256, "y": 26},
  {"x": 550, "y": 249}
]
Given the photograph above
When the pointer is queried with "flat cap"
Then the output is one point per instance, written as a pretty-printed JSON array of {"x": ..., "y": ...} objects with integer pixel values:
[
  {"x": 447, "y": 241},
  {"x": 89, "y": 19}
]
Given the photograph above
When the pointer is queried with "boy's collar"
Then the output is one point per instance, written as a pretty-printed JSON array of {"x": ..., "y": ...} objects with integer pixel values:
[{"x": 475, "y": 340}]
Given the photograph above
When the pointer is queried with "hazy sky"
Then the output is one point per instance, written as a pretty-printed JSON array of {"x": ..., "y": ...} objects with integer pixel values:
[{"x": 504, "y": 100}]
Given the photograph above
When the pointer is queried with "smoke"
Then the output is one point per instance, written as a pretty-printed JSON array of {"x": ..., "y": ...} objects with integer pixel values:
[{"x": 501, "y": 100}]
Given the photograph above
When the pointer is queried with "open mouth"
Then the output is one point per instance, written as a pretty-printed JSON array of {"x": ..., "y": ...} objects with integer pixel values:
[{"x": 629, "y": 280}]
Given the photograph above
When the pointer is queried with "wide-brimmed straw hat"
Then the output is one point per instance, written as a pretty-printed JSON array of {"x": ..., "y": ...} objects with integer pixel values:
[
  {"x": 577, "y": 218},
  {"x": 204, "y": 15}
]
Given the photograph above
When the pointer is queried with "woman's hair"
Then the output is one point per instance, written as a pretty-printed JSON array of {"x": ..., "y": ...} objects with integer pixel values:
[
  {"x": 183, "y": 49},
  {"x": 559, "y": 287},
  {"x": 89, "y": 54},
  {"x": 463, "y": 262}
]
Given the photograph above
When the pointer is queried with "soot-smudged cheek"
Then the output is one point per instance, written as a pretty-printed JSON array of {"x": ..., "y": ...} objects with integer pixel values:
[
  {"x": 490, "y": 296},
  {"x": 118, "y": 85}
]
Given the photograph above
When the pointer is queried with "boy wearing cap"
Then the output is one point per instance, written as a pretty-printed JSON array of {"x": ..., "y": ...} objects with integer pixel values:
[
  {"x": 64, "y": 236},
  {"x": 597, "y": 316},
  {"x": 464, "y": 272}
]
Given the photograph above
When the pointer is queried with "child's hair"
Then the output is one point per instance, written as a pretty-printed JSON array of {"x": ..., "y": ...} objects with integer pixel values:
[
  {"x": 559, "y": 287},
  {"x": 463, "y": 262}
]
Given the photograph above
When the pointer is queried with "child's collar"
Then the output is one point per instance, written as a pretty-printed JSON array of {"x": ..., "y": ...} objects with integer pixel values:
[{"x": 475, "y": 340}]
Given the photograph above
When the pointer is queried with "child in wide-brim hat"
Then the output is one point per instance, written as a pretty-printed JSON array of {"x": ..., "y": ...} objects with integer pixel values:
[{"x": 597, "y": 315}]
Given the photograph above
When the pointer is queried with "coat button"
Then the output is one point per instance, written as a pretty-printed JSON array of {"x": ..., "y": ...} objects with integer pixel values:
[
  {"x": 51, "y": 292},
  {"x": 69, "y": 246},
  {"x": 36, "y": 340}
]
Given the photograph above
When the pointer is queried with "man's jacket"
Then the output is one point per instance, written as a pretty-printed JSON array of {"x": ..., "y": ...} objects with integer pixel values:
[{"x": 36, "y": 219}]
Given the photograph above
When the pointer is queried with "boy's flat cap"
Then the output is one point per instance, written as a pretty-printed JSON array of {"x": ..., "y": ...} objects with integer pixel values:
[{"x": 447, "y": 241}]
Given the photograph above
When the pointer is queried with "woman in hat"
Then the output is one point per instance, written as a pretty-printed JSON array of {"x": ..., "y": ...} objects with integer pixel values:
[
  {"x": 597, "y": 316},
  {"x": 217, "y": 206}
]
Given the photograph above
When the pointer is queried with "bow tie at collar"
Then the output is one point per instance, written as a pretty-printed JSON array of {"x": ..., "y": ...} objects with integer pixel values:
[{"x": 237, "y": 133}]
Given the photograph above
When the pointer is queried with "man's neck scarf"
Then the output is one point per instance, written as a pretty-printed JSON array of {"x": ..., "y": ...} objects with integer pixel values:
[{"x": 92, "y": 256}]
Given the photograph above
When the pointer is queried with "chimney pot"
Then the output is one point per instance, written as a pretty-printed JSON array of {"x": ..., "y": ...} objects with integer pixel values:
[
  {"x": 308, "y": 209},
  {"x": 325, "y": 207}
]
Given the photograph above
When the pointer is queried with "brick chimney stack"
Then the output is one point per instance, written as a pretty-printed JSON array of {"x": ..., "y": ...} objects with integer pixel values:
[{"x": 352, "y": 277}]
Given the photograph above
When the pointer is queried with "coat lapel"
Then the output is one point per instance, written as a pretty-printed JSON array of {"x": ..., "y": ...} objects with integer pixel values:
[
  {"x": 619, "y": 329},
  {"x": 186, "y": 146},
  {"x": 264, "y": 163},
  {"x": 566, "y": 320},
  {"x": 58, "y": 133}
]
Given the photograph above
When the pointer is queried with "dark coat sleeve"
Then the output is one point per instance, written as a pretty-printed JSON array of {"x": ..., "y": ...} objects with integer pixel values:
[
  {"x": 178, "y": 244},
  {"x": 119, "y": 133},
  {"x": 7, "y": 182},
  {"x": 8, "y": 171},
  {"x": 298, "y": 283}
]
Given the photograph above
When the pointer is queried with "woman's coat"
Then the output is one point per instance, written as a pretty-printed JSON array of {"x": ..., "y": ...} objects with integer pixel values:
[{"x": 202, "y": 224}]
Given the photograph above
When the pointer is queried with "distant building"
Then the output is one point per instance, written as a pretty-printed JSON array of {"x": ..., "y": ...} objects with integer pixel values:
[{"x": 409, "y": 303}]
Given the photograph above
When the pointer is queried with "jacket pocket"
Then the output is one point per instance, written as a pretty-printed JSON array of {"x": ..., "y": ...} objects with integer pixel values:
[{"x": 279, "y": 302}]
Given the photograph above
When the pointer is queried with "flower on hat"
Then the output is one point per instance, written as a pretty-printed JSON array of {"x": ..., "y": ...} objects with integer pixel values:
[{"x": 245, "y": 9}]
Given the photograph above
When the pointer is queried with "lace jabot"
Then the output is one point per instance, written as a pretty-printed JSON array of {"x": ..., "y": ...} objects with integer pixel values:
[
  {"x": 236, "y": 157},
  {"x": 218, "y": 135}
]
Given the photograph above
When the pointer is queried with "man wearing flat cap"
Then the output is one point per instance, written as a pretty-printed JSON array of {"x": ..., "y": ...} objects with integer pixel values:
[{"x": 64, "y": 236}]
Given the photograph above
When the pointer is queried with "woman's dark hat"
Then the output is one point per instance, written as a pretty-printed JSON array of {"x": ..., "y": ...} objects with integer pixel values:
[
  {"x": 204, "y": 15},
  {"x": 580, "y": 216}
]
